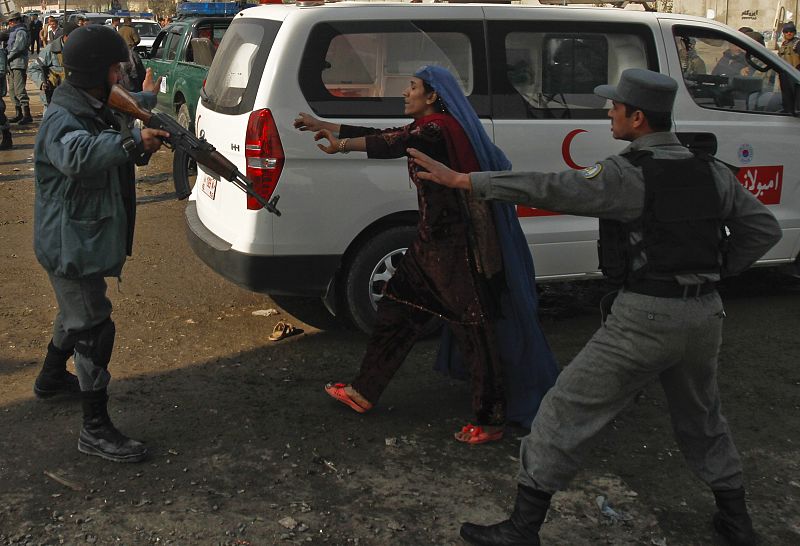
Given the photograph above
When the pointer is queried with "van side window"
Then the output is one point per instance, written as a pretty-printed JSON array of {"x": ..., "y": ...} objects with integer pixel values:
[
  {"x": 235, "y": 76},
  {"x": 550, "y": 71},
  {"x": 721, "y": 72},
  {"x": 360, "y": 68}
]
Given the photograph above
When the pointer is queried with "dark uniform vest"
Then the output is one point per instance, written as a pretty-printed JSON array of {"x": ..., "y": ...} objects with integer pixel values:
[{"x": 680, "y": 230}]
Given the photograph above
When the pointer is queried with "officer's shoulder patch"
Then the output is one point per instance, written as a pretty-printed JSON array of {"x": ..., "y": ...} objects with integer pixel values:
[{"x": 594, "y": 170}]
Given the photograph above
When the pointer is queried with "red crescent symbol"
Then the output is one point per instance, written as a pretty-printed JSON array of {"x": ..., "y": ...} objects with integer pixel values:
[{"x": 565, "y": 148}]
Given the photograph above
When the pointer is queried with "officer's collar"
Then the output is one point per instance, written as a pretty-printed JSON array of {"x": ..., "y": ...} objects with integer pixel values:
[{"x": 664, "y": 138}]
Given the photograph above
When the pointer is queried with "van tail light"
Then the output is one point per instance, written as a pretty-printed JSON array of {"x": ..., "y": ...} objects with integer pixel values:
[{"x": 263, "y": 154}]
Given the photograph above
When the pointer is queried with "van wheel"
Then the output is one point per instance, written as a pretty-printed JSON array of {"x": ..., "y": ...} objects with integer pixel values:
[{"x": 367, "y": 273}]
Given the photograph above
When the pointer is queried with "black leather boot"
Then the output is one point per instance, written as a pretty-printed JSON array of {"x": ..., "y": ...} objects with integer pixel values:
[
  {"x": 26, "y": 116},
  {"x": 100, "y": 437},
  {"x": 732, "y": 520},
  {"x": 54, "y": 379},
  {"x": 521, "y": 529},
  {"x": 18, "y": 117},
  {"x": 6, "y": 143}
]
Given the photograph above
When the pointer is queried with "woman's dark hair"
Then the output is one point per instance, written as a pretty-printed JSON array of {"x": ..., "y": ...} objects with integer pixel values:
[
  {"x": 658, "y": 121},
  {"x": 439, "y": 105}
]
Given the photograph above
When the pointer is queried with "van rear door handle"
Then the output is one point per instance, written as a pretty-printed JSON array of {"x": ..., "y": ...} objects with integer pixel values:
[{"x": 699, "y": 142}]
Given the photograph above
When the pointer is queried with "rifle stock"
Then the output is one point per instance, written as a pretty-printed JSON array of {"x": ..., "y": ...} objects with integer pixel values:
[{"x": 198, "y": 149}]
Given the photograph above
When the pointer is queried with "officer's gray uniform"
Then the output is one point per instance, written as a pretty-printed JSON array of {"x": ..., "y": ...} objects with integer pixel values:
[
  {"x": 674, "y": 339},
  {"x": 18, "y": 65}
]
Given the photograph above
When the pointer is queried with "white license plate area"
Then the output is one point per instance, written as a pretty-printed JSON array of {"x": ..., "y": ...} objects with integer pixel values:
[{"x": 209, "y": 185}]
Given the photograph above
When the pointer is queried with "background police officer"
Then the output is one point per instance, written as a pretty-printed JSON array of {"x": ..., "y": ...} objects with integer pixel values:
[
  {"x": 84, "y": 214},
  {"x": 18, "y": 41},
  {"x": 664, "y": 218}
]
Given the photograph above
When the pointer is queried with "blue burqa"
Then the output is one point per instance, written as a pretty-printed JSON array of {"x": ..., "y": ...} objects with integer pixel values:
[{"x": 529, "y": 365}]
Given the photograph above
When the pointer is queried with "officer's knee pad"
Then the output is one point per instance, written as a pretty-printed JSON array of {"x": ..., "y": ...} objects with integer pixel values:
[{"x": 98, "y": 343}]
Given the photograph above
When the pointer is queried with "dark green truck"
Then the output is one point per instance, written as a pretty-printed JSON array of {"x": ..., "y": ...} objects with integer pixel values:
[{"x": 181, "y": 55}]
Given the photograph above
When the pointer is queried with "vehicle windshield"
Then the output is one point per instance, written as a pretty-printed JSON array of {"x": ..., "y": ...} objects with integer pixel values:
[{"x": 147, "y": 30}]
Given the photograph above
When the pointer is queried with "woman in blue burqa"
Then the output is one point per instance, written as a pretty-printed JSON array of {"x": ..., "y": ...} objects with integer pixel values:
[{"x": 469, "y": 265}]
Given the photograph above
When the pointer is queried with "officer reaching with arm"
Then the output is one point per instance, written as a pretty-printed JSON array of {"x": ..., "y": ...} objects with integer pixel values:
[
  {"x": 671, "y": 224},
  {"x": 84, "y": 213}
]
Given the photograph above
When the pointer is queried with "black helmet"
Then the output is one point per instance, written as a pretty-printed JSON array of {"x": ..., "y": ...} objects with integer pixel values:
[{"x": 89, "y": 53}]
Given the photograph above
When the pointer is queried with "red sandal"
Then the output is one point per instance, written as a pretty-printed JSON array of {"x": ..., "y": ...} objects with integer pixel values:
[
  {"x": 336, "y": 390},
  {"x": 477, "y": 435}
]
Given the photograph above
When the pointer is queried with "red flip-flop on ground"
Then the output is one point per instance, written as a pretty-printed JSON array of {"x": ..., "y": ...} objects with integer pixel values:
[
  {"x": 336, "y": 390},
  {"x": 477, "y": 435}
]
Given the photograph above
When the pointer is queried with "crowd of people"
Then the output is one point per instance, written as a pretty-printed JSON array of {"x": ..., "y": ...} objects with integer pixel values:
[
  {"x": 30, "y": 47},
  {"x": 469, "y": 266}
]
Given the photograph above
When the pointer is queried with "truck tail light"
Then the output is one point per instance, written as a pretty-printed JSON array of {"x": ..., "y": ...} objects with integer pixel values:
[{"x": 263, "y": 154}]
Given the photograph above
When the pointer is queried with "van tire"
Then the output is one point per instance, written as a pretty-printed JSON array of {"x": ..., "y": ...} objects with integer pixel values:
[{"x": 383, "y": 248}]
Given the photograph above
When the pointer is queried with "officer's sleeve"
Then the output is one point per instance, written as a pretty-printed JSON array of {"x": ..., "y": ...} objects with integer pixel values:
[
  {"x": 35, "y": 67},
  {"x": 612, "y": 189},
  {"x": 753, "y": 228},
  {"x": 77, "y": 153}
]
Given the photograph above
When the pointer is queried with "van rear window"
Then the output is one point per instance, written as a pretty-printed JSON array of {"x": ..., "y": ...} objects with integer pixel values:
[{"x": 235, "y": 74}]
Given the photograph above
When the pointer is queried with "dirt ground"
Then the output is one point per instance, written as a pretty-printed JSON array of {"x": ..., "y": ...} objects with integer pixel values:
[{"x": 246, "y": 448}]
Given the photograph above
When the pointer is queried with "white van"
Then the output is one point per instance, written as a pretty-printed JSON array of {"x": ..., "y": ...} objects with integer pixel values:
[{"x": 529, "y": 72}]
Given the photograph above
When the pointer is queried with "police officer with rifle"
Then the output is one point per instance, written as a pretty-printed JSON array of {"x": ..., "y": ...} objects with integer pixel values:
[
  {"x": 672, "y": 223},
  {"x": 84, "y": 215}
]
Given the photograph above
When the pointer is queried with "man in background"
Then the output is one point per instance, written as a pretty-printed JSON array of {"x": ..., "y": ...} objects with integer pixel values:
[
  {"x": 789, "y": 50},
  {"x": 34, "y": 28},
  {"x": 47, "y": 70},
  {"x": 18, "y": 41}
]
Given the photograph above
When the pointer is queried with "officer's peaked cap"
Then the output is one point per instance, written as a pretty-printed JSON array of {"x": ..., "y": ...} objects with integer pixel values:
[
  {"x": 789, "y": 27},
  {"x": 642, "y": 89}
]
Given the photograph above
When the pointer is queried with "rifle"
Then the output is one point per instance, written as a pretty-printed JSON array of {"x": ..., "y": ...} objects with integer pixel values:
[{"x": 197, "y": 148}]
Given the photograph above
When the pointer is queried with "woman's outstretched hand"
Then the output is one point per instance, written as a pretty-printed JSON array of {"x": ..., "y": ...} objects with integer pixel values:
[
  {"x": 307, "y": 122},
  {"x": 333, "y": 143},
  {"x": 438, "y": 173}
]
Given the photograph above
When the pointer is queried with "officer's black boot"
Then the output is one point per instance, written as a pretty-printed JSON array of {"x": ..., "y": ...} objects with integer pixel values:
[
  {"x": 18, "y": 117},
  {"x": 100, "y": 437},
  {"x": 54, "y": 379},
  {"x": 6, "y": 143},
  {"x": 732, "y": 520},
  {"x": 26, "y": 115},
  {"x": 521, "y": 529}
]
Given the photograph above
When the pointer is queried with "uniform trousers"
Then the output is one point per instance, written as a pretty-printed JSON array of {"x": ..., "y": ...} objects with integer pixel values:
[
  {"x": 398, "y": 327},
  {"x": 82, "y": 305},
  {"x": 16, "y": 87},
  {"x": 675, "y": 340}
]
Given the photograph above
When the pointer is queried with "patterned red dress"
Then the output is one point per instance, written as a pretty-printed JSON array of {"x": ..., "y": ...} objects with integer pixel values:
[{"x": 451, "y": 270}]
